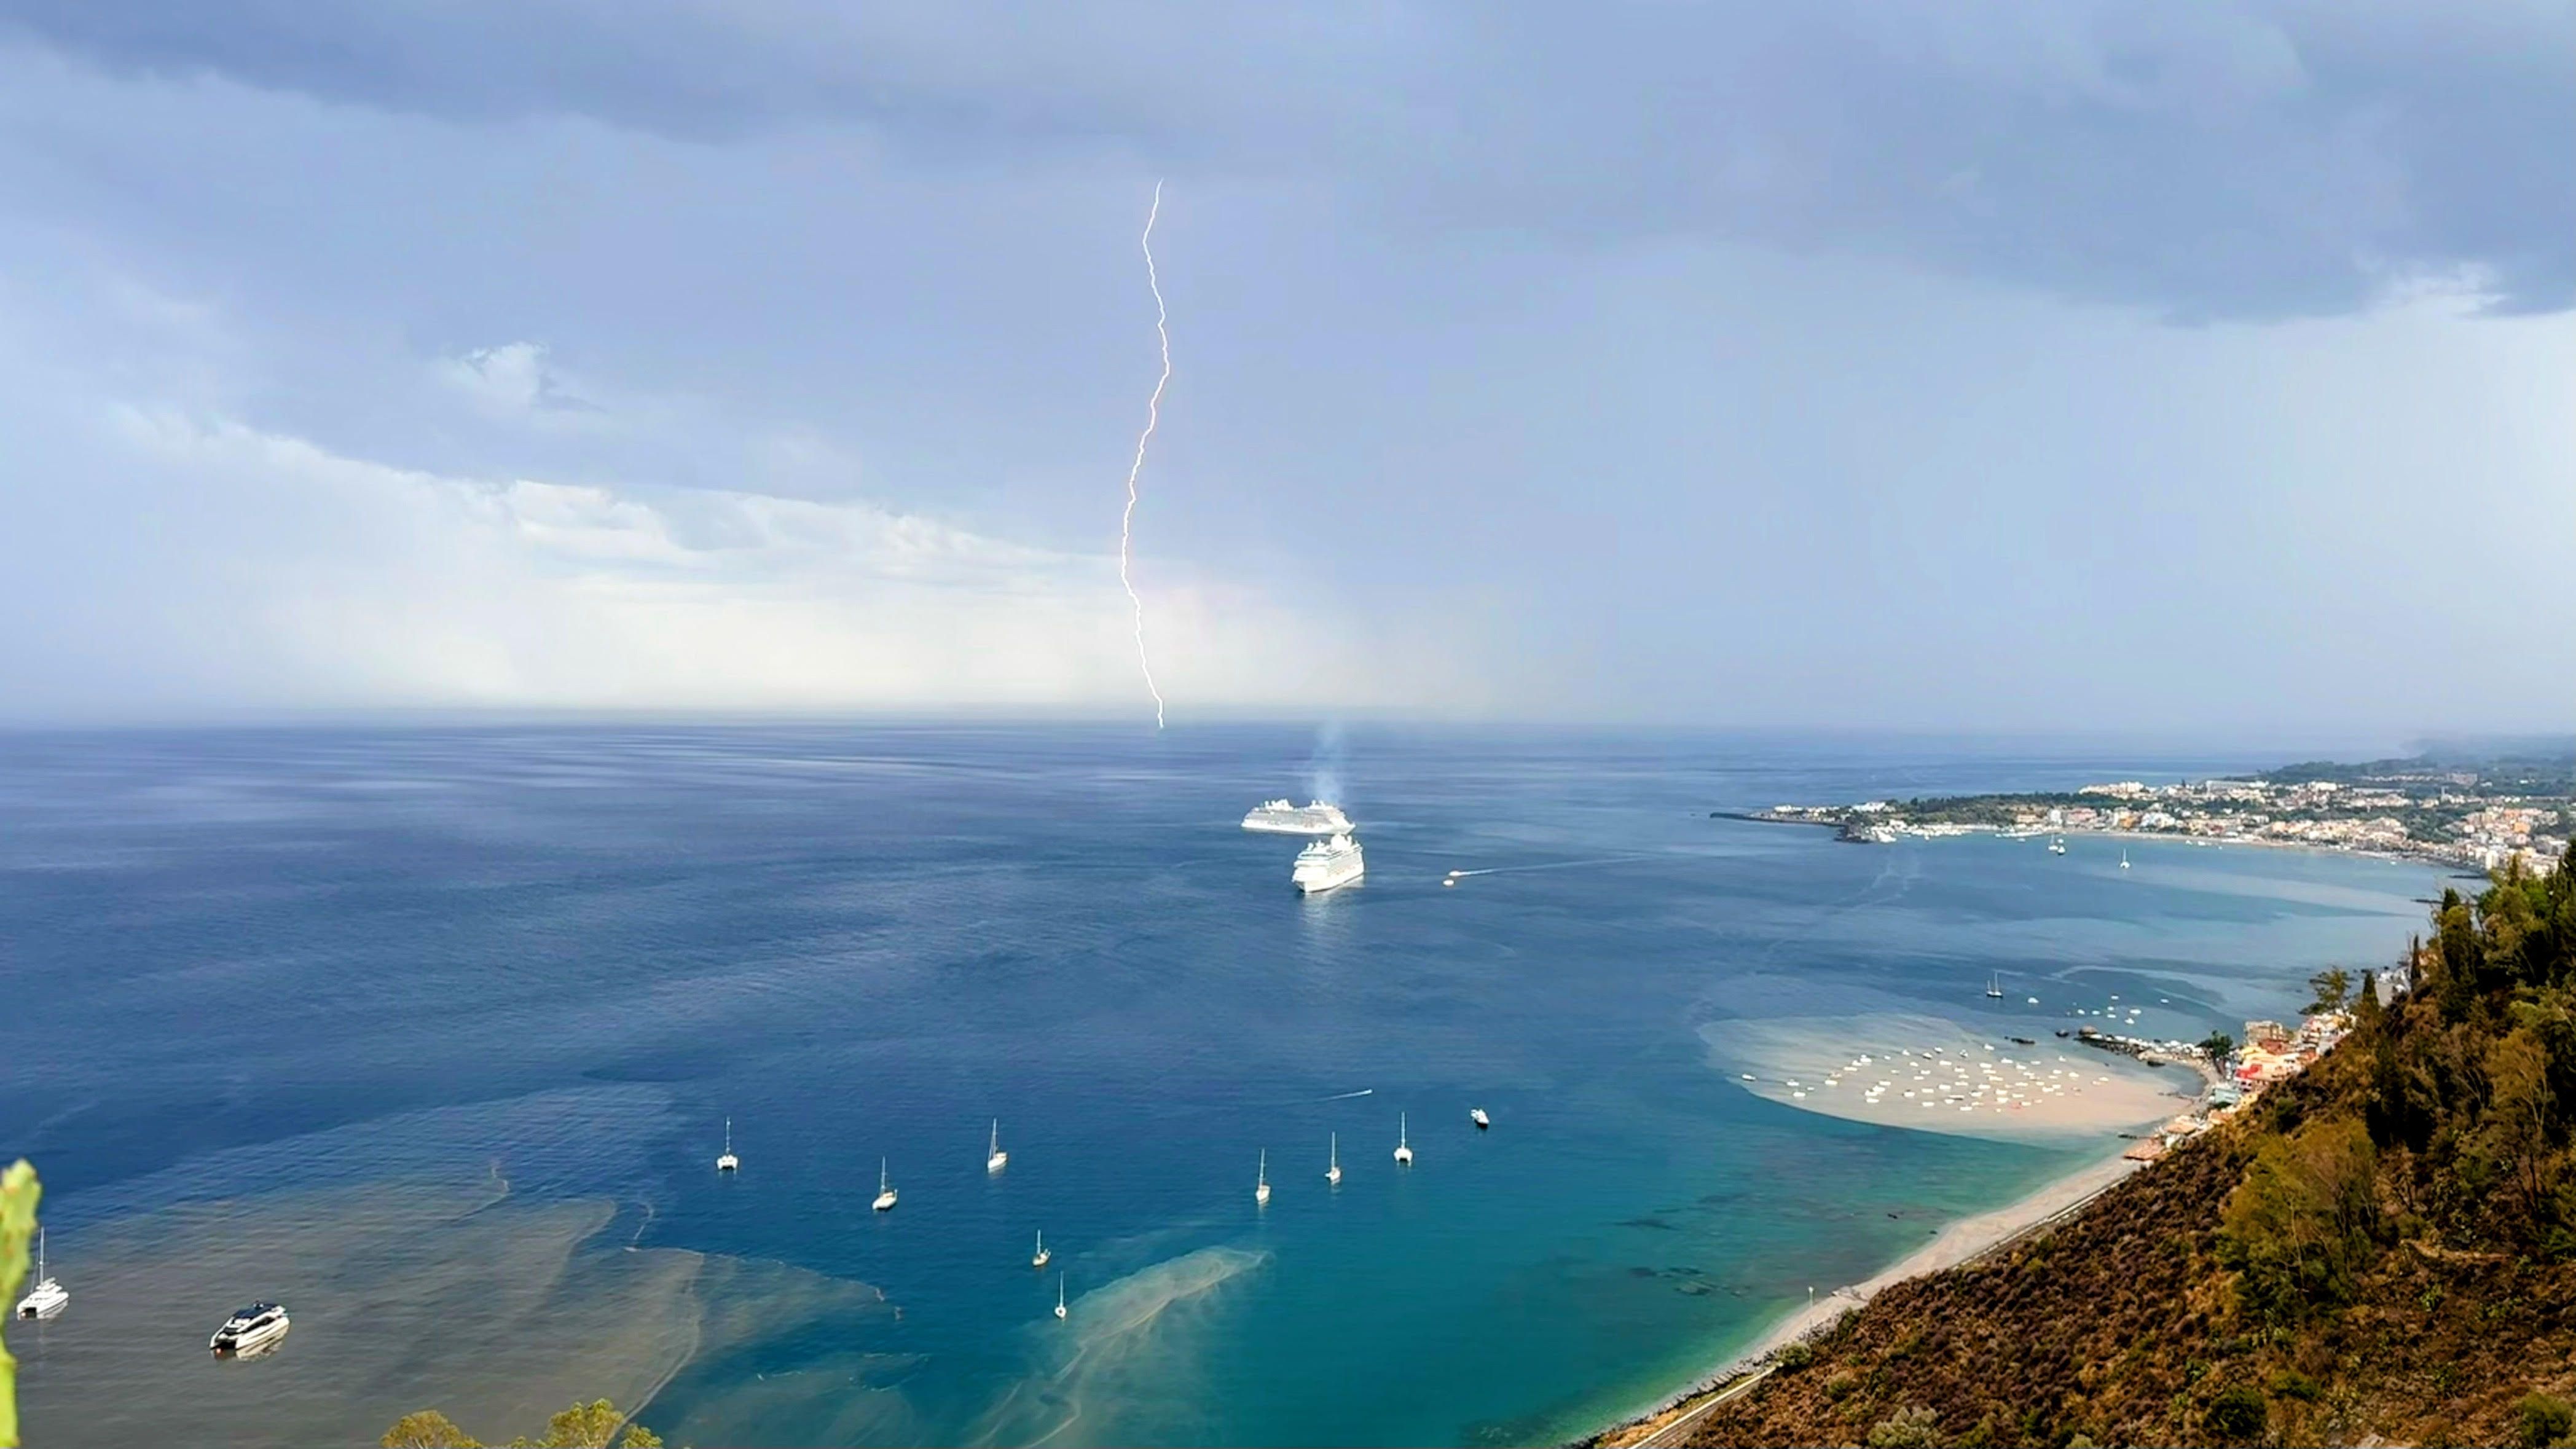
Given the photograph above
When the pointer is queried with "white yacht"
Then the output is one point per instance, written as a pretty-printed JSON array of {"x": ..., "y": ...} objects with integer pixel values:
[
  {"x": 49, "y": 1296},
  {"x": 1403, "y": 1149},
  {"x": 1477, "y": 1116},
  {"x": 728, "y": 1162},
  {"x": 995, "y": 1159},
  {"x": 885, "y": 1189},
  {"x": 250, "y": 1329},
  {"x": 1278, "y": 817},
  {"x": 1333, "y": 1173},
  {"x": 1040, "y": 1259},
  {"x": 1261, "y": 1183},
  {"x": 1328, "y": 864}
]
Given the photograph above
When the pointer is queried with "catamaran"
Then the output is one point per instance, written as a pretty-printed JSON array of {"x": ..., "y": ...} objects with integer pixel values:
[
  {"x": 728, "y": 1162},
  {"x": 885, "y": 1189},
  {"x": 1333, "y": 1174},
  {"x": 1403, "y": 1149},
  {"x": 994, "y": 1157},
  {"x": 1261, "y": 1183},
  {"x": 49, "y": 1296}
]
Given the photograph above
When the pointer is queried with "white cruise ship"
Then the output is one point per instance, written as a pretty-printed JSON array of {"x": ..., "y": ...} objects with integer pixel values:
[
  {"x": 1327, "y": 864},
  {"x": 1281, "y": 818}
]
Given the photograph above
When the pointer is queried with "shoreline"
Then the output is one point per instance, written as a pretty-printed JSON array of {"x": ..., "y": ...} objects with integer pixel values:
[
  {"x": 2404, "y": 857},
  {"x": 1963, "y": 1241}
]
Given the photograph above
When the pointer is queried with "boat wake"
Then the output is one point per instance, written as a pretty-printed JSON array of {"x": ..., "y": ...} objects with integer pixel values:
[
  {"x": 1346, "y": 1096},
  {"x": 1549, "y": 865}
]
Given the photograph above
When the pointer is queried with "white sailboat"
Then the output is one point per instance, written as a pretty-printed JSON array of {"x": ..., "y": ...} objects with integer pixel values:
[
  {"x": 1059, "y": 1295},
  {"x": 1333, "y": 1174},
  {"x": 2057, "y": 845},
  {"x": 885, "y": 1189},
  {"x": 1261, "y": 1183},
  {"x": 49, "y": 1296},
  {"x": 2124, "y": 857},
  {"x": 1403, "y": 1148},
  {"x": 1040, "y": 1260},
  {"x": 995, "y": 1159},
  {"x": 1995, "y": 986},
  {"x": 728, "y": 1162}
]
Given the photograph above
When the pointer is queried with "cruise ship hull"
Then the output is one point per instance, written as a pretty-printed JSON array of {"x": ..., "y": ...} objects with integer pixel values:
[
  {"x": 1313, "y": 881},
  {"x": 1278, "y": 817}
]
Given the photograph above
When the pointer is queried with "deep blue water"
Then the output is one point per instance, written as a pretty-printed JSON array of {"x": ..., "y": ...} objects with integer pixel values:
[{"x": 265, "y": 964}]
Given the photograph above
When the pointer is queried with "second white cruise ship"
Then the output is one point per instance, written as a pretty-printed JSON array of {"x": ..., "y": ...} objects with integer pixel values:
[
  {"x": 1328, "y": 863},
  {"x": 1281, "y": 818}
]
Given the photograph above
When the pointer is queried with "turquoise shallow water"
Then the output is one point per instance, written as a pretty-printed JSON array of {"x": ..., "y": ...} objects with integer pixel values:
[{"x": 283, "y": 971}]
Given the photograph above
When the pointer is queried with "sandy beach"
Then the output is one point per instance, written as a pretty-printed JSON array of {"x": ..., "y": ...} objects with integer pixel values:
[
  {"x": 1956, "y": 1244},
  {"x": 1936, "y": 1075}
]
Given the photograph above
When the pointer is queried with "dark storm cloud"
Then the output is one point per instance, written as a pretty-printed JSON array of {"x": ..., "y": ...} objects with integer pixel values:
[{"x": 2202, "y": 160}]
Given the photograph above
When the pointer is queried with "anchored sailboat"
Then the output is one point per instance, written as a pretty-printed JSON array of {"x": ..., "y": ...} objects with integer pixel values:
[
  {"x": 728, "y": 1162},
  {"x": 49, "y": 1296},
  {"x": 994, "y": 1157},
  {"x": 1403, "y": 1148},
  {"x": 885, "y": 1189},
  {"x": 1261, "y": 1183},
  {"x": 1333, "y": 1174},
  {"x": 1040, "y": 1260}
]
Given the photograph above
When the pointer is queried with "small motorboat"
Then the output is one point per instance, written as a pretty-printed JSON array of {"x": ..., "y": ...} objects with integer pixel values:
[
  {"x": 1477, "y": 1116},
  {"x": 250, "y": 1330}
]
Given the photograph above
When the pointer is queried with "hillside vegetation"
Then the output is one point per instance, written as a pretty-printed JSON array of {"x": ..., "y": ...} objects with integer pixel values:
[{"x": 2382, "y": 1247}]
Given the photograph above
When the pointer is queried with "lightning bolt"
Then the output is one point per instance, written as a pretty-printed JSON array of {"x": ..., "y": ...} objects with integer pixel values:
[{"x": 1153, "y": 415}]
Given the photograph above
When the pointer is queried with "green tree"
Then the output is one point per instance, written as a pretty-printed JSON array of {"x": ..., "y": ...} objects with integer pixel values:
[
  {"x": 2218, "y": 1044},
  {"x": 1906, "y": 1429},
  {"x": 2540, "y": 1420},
  {"x": 19, "y": 1193},
  {"x": 426, "y": 1429},
  {"x": 2332, "y": 988},
  {"x": 2300, "y": 1225},
  {"x": 2236, "y": 1416},
  {"x": 588, "y": 1426}
]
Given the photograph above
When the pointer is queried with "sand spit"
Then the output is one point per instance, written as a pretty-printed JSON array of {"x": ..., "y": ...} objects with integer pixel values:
[{"x": 1936, "y": 1075}]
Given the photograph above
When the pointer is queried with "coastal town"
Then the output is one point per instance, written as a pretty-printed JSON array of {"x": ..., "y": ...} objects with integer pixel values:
[{"x": 2482, "y": 817}]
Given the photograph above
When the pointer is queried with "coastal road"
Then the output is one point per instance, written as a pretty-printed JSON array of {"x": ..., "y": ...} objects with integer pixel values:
[{"x": 1672, "y": 1433}]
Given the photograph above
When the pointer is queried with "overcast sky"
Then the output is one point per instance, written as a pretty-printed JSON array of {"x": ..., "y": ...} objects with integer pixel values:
[{"x": 2034, "y": 366}]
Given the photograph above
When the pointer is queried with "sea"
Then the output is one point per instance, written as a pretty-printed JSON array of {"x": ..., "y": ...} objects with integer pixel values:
[{"x": 433, "y": 1034}]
